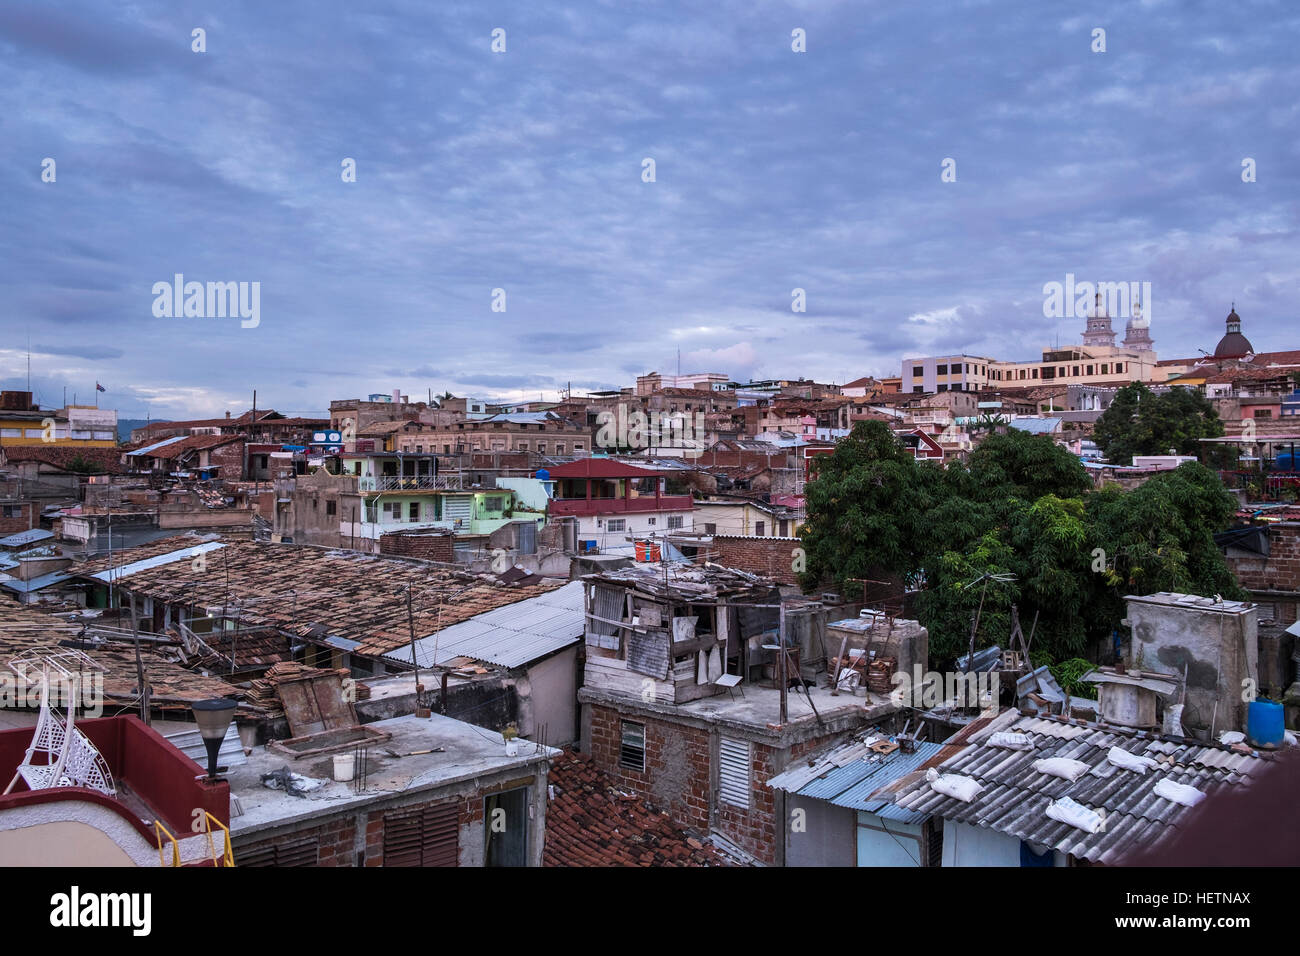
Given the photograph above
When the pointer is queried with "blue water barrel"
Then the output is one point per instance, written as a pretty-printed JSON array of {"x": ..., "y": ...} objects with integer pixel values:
[{"x": 1265, "y": 724}]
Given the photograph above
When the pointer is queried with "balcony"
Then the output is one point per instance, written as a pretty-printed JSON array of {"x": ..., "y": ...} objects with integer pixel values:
[
  {"x": 411, "y": 483},
  {"x": 588, "y": 507}
]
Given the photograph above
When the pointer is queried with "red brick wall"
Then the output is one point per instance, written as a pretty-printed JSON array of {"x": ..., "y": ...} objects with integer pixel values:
[
  {"x": 1280, "y": 571},
  {"x": 230, "y": 458},
  {"x": 677, "y": 778},
  {"x": 430, "y": 547},
  {"x": 25, "y": 521},
  {"x": 337, "y": 838},
  {"x": 686, "y": 798},
  {"x": 768, "y": 556}
]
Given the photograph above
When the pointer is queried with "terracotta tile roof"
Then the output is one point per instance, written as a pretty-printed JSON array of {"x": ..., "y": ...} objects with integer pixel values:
[
  {"x": 591, "y": 822},
  {"x": 316, "y": 593},
  {"x": 193, "y": 443},
  {"x": 23, "y": 629},
  {"x": 61, "y": 456}
]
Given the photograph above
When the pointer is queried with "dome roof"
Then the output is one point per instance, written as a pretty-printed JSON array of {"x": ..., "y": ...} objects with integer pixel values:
[{"x": 1233, "y": 344}]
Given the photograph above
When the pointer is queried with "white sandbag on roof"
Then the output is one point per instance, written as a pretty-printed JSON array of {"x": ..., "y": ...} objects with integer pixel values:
[
  {"x": 954, "y": 785},
  {"x": 1011, "y": 740},
  {"x": 1062, "y": 767},
  {"x": 1126, "y": 761},
  {"x": 1178, "y": 793},
  {"x": 1075, "y": 814},
  {"x": 1231, "y": 737}
]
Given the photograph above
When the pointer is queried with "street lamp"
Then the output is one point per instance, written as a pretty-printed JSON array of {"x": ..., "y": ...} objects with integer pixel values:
[{"x": 213, "y": 717}]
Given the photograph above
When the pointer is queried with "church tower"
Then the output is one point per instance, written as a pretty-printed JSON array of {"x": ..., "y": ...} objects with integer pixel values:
[{"x": 1099, "y": 331}]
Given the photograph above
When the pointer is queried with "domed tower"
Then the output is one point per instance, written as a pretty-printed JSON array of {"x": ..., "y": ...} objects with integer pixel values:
[
  {"x": 1099, "y": 331},
  {"x": 1137, "y": 334},
  {"x": 1233, "y": 344}
]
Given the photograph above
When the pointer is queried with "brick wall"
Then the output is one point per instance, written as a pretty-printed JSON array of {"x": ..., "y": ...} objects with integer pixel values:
[
  {"x": 676, "y": 778},
  {"x": 1280, "y": 571},
  {"x": 358, "y": 839},
  {"x": 767, "y": 556},
  {"x": 679, "y": 778},
  {"x": 230, "y": 459},
  {"x": 25, "y": 520},
  {"x": 430, "y": 547}
]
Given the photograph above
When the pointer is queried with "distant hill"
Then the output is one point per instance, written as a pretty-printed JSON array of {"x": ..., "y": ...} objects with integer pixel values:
[{"x": 126, "y": 425}]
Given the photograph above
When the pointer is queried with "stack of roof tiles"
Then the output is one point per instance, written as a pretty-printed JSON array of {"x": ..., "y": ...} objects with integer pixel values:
[{"x": 591, "y": 822}]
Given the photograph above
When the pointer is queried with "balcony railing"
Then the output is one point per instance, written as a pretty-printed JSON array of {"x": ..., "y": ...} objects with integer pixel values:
[
  {"x": 613, "y": 506},
  {"x": 410, "y": 483}
]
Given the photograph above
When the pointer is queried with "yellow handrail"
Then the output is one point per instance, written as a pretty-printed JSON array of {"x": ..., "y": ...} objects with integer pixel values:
[
  {"x": 228, "y": 856},
  {"x": 159, "y": 830}
]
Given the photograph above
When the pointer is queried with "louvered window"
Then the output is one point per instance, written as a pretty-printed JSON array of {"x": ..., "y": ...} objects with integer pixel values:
[
  {"x": 423, "y": 837},
  {"x": 733, "y": 772},
  {"x": 631, "y": 752},
  {"x": 294, "y": 853}
]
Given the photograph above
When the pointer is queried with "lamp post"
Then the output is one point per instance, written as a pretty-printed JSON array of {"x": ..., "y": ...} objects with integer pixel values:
[{"x": 213, "y": 717}]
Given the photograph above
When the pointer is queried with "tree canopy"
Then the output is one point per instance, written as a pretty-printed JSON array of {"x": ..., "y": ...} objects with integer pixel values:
[
  {"x": 1142, "y": 422},
  {"x": 1021, "y": 506}
]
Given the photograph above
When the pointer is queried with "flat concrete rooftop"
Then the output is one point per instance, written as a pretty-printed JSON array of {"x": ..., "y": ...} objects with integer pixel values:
[{"x": 467, "y": 752}]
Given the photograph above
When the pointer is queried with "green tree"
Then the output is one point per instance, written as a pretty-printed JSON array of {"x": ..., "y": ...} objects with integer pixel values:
[
  {"x": 863, "y": 509},
  {"x": 1142, "y": 422}
]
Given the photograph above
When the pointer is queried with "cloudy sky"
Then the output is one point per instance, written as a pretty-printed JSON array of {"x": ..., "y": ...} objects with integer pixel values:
[{"x": 523, "y": 171}]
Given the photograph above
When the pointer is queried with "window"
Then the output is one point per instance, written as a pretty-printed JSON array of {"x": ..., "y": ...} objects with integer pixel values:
[
  {"x": 631, "y": 750},
  {"x": 941, "y": 370},
  {"x": 13, "y": 511},
  {"x": 941, "y": 388},
  {"x": 1105, "y": 369},
  {"x": 674, "y": 521},
  {"x": 650, "y": 521},
  {"x": 1089, "y": 372},
  {"x": 413, "y": 513},
  {"x": 616, "y": 524},
  {"x": 523, "y": 446},
  {"x": 331, "y": 507},
  {"x": 1263, "y": 413},
  {"x": 733, "y": 772},
  {"x": 785, "y": 528},
  {"x": 372, "y": 512},
  {"x": 760, "y": 528},
  {"x": 427, "y": 836},
  {"x": 917, "y": 371},
  {"x": 494, "y": 505},
  {"x": 541, "y": 448},
  {"x": 577, "y": 446},
  {"x": 446, "y": 449},
  {"x": 559, "y": 448},
  {"x": 710, "y": 528},
  {"x": 1119, "y": 367},
  {"x": 1035, "y": 373}
]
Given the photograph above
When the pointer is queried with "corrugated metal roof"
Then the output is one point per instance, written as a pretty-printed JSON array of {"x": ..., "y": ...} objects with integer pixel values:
[
  {"x": 157, "y": 445},
  {"x": 35, "y": 584},
  {"x": 849, "y": 774},
  {"x": 1015, "y": 796},
  {"x": 509, "y": 636},
  {"x": 157, "y": 560},
  {"x": 25, "y": 537}
]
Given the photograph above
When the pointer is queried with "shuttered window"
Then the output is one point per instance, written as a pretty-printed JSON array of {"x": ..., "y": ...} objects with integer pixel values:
[
  {"x": 424, "y": 837},
  {"x": 733, "y": 772},
  {"x": 303, "y": 852},
  {"x": 631, "y": 752}
]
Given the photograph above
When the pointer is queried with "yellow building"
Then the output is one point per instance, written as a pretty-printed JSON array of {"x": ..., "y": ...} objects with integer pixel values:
[{"x": 23, "y": 423}]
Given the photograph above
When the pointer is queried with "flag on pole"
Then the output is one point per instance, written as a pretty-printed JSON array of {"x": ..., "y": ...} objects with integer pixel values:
[{"x": 100, "y": 388}]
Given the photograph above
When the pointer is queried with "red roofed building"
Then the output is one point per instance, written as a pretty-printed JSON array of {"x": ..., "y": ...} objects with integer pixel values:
[{"x": 612, "y": 501}]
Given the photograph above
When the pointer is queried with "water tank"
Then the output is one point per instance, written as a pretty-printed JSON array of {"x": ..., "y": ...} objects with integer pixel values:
[
  {"x": 1265, "y": 725},
  {"x": 1127, "y": 705}
]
